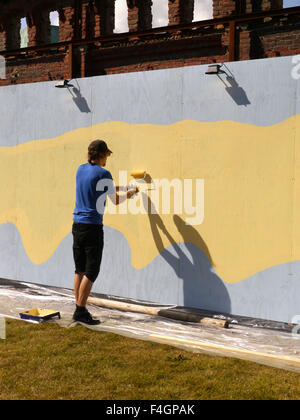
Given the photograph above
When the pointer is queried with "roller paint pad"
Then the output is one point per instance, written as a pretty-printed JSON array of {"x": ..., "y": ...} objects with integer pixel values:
[
  {"x": 139, "y": 174},
  {"x": 141, "y": 179}
]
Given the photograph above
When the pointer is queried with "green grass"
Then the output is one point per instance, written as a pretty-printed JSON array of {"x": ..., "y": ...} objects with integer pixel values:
[{"x": 48, "y": 362}]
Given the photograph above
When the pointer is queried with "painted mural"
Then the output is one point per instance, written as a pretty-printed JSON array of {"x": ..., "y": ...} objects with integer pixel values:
[{"x": 227, "y": 238}]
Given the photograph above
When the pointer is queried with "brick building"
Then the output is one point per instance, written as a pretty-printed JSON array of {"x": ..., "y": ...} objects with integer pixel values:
[{"x": 88, "y": 46}]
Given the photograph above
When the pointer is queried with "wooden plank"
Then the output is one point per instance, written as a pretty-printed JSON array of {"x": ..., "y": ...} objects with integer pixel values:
[
  {"x": 124, "y": 306},
  {"x": 158, "y": 311}
]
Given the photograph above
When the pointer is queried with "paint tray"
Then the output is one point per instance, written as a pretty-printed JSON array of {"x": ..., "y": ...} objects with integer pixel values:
[{"x": 40, "y": 315}]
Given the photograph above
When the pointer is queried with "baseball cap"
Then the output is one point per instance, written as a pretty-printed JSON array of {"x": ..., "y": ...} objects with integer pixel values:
[{"x": 99, "y": 146}]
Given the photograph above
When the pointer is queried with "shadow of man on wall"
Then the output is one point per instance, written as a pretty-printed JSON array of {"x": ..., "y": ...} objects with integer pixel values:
[{"x": 191, "y": 261}]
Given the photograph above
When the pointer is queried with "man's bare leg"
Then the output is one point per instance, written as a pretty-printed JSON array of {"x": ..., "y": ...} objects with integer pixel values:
[
  {"x": 77, "y": 282},
  {"x": 84, "y": 291}
]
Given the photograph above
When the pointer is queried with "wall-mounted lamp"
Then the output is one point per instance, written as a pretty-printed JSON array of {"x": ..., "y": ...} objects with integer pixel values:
[
  {"x": 232, "y": 87},
  {"x": 215, "y": 69},
  {"x": 63, "y": 84}
]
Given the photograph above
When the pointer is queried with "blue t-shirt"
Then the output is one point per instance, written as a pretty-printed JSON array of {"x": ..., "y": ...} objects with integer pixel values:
[{"x": 93, "y": 183}]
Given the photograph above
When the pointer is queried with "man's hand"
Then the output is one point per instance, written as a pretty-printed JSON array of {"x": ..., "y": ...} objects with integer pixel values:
[
  {"x": 132, "y": 192},
  {"x": 126, "y": 188}
]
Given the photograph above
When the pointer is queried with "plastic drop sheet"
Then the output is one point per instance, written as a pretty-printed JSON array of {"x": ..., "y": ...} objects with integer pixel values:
[{"x": 265, "y": 346}]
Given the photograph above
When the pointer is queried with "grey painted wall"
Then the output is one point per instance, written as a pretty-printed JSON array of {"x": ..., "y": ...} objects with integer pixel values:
[{"x": 266, "y": 94}]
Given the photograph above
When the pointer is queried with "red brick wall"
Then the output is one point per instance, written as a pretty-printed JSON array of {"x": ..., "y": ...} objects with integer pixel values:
[
  {"x": 38, "y": 27},
  {"x": 10, "y": 33},
  {"x": 256, "y": 39},
  {"x": 34, "y": 68},
  {"x": 181, "y": 11},
  {"x": 223, "y": 8},
  {"x": 66, "y": 23},
  {"x": 139, "y": 15}
]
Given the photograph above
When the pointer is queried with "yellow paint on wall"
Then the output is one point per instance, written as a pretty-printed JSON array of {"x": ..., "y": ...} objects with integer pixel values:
[{"x": 252, "y": 190}]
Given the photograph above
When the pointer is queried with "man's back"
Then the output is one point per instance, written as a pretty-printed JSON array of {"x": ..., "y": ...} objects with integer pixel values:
[{"x": 87, "y": 177}]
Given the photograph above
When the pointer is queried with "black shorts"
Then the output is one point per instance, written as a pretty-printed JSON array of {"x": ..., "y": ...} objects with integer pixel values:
[{"x": 87, "y": 249}]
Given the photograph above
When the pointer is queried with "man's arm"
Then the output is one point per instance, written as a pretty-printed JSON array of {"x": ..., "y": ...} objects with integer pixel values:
[
  {"x": 122, "y": 189},
  {"x": 119, "y": 199}
]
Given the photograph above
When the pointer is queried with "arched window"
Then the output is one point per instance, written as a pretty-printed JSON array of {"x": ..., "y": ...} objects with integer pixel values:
[
  {"x": 23, "y": 33},
  {"x": 203, "y": 10},
  {"x": 54, "y": 28},
  {"x": 160, "y": 13},
  {"x": 121, "y": 16}
]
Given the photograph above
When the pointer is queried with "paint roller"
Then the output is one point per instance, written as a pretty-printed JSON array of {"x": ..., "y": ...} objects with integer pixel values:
[
  {"x": 139, "y": 174},
  {"x": 140, "y": 178}
]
